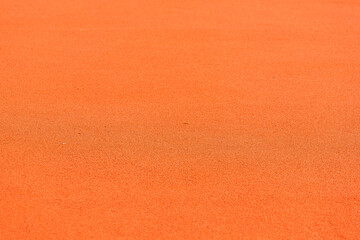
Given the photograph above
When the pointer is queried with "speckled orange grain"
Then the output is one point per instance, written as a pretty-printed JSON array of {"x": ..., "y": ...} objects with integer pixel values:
[{"x": 175, "y": 119}]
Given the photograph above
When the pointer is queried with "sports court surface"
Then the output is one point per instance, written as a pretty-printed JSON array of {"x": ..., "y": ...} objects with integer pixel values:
[{"x": 179, "y": 119}]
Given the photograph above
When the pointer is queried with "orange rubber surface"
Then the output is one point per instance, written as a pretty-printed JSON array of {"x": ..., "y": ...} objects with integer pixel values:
[{"x": 180, "y": 119}]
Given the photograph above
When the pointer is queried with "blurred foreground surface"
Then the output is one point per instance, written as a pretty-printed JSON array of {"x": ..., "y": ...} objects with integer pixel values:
[{"x": 179, "y": 119}]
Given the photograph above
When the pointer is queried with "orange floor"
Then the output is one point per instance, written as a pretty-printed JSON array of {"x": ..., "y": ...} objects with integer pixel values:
[{"x": 180, "y": 119}]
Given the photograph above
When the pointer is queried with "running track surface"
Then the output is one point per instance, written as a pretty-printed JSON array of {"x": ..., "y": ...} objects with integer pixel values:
[{"x": 178, "y": 119}]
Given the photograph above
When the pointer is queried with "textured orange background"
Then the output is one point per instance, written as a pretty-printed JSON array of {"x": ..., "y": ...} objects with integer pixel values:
[{"x": 94, "y": 96}]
